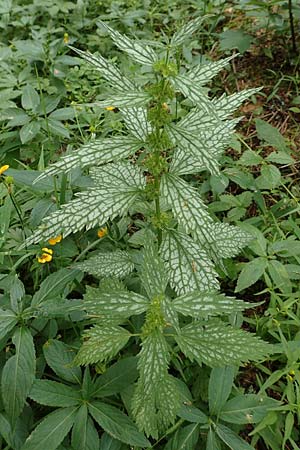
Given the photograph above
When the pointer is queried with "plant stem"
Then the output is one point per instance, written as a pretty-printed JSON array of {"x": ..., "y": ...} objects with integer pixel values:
[{"x": 290, "y": 6}]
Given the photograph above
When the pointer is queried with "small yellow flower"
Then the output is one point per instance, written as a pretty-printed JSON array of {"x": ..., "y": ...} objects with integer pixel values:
[
  {"x": 4, "y": 168},
  {"x": 102, "y": 232},
  {"x": 290, "y": 378},
  {"x": 66, "y": 38},
  {"x": 110, "y": 108},
  {"x": 55, "y": 240},
  {"x": 46, "y": 256}
]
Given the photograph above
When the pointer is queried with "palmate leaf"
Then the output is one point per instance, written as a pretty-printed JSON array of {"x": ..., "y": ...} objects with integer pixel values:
[
  {"x": 185, "y": 31},
  {"x": 188, "y": 265},
  {"x": 136, "y": 122},
  {"x": 185, "y": 201},
  {"x": 121, "y": 304},
  {"x": 216, "y": 344},
  {"x": 101, "y": 343},
  {"x": 84, "y": 433},
  {"x": 205, "y": 304},
  {"x": 201, "y": 74},
  {"x": 96, "y": 152},
  {"x": 52, "y": 393},
  {"x": 156, "y": 399},
  {"x": 108, "y": 70},
  {"x": 116, "y": 264},
  {"x": 226, "y": 105},
  {"x": 195, "y": 146},
  {"x": 139, "y": 52},
  {"x": 154, "y": 275}
]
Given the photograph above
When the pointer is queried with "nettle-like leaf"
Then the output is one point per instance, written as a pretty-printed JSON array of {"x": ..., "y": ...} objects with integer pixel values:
[
  {"x": 136, "y": 122},
  {"x": 226, "y": 105},
  {"x": 111, "y": 264},
  {"x": 101, "y": 343},
  {"x": 139, "y": 52},
  {"x": 201, "y": 74},
  {"x": 156, "y": 400},
  {"x": 116, "y": 188},
  {"x": 217, "y": 344},
  {"x": 153, "y": 276},
  {"x": 126, "y": 100},
  {"x": 188, "y": 265},
  {"x": 99, "y": 151},
  {"x": 185, "y": 31}
]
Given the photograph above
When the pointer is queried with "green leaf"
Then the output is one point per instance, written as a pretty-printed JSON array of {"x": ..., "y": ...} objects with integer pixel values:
[
  {"x": 52, "y": 430},
  {"x": 217, "y": 344},
  {"x": 116, "y": 378},
  {"x": 18, "y": 373},
  {"x": 99, "y": 151},
  {"x": 111, "y": 264},
  {"x": 204, "y": 304},
  {"x": 153, "y": 277},
  {"x": 212, "y": 443},
  {"x": 84, "y": 434},
  {"x": 270, "y": 177},
  {"x": 136, "y": 121},
  {"x": 218, "y": 393},
  {"x": 120, "y": 304},
  {"x": 280, "y": 158},
  {"x": 102, "y": 342},
  {"x": 250, "y": 158},
  {"x": 202, "y": 73},
  {"x": 231, "y": 439},
  {"x": 226, "y": 105},
  {"x": 52, "y": 393},
  {"x": 109, "y": 443},
  {"x": 192, "y": 414},
  {"x": 188, "y": 265},
  {"x": 185, "y": 438},
  {"x": 139, "y": 52},
  {"x": 271, "y": 135},
  {"x": 249, "y": 408},
  {"x": 54, "y": 285},
  {"x": 185, "y": 31},
  {"x": 8, "y": 320},
  {"x": 60, "y": 358},
  {"x": 117, "y": 424},
  {"x": 250, "y": 273},
  {"x": 30, "y": 98},
  {"x": 231, "y": 39},
  {"x": 127, "y": 99},
  {"x": 29, "y": 131}
]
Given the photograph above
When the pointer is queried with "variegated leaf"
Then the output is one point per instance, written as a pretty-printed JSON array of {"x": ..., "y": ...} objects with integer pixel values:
[
  {"x": 110, "y": 264},
  {"x": 121, "y": 174},
  {"x": 185, "y": 31},
  {"x": 153, "y": 276},
  {"x": 136, "y": 122},
  {"x": 226, "y": 105},
  {"x": 188, "y": 265},
  {"x": 128, "y": 99},
  {"x": 101, "y": 343},
  {"x": 185, "y": 202},
  {"x": 201, "y": 74},
  {"x": 108, "y": 70},
  {"x": 216, "y": 344},
  {"x": 139, "y": 52}
]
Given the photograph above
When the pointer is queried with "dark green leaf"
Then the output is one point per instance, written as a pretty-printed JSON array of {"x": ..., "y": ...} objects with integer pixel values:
[
  {"x": 60, "y": 357},
  {"x": 51, "y": 393},
  {"x": 219, "y": 388},
  {"x": 231, "y": 439},
  {"x": 116, "y": 378},
  {"x": 8, "y": 320},
  {"x": 248, "y": 408},
  {"x": 84, "y": 433},
  {"x": 54, "y": 285},
  {"x": 250, "y": 273},
  {"x": 192, "y": 414}
]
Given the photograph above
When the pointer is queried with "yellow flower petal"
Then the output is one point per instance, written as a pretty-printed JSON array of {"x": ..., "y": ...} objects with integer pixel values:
[
  {"x": 4, "y": 168},
  {"x": 102, "y": 232},
  {"x": 55, "y": 240},
  {"x": 110, "y": 108},
  {"x": 47, "y": 250}
]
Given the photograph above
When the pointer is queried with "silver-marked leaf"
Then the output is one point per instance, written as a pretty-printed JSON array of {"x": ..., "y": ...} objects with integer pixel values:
[
  {"x": 101, "y": 343},
  {"x": 136, "y": 122},
  {"x": 205, "y": 304},
  {"x": 170, "y": 313},
  {"x": 122, "y": 175},
  {"x": 195, "y": 146},
  {"x": 139, "y": 52},
  {"x": 201, "y": 74},
  {"x": 52, "y": 393},
  {"x": 188, "y": 265},
  {"x": 108, "y": 70},
  {"x": 185, "y": 31},
  {"x": 8, "y": 320},
  {"x": 226, "y": 105},
  {"x": 121, "y": 304},
  {"x": 111, "y": 264},
  {"x": 128, "y": 99},
  {"x": 216, "y": 344},
  {"x": 100, "y": 151},
  {"x": 153, "y": 276},
  {"x": 185, "y": 201}
]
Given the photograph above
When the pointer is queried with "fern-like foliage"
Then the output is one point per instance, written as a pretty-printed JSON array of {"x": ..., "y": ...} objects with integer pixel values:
[{"x": 176, "y": 287}]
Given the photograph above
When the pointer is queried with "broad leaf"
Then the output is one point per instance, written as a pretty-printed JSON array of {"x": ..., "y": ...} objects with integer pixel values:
[
  {"x": 192, "y": 414},
  {"x": 51, "y": 431},
  {"x": 218, "y": 392},
  {"x": 117, "y": 424},
  {"x": 205, "y": 72},
  {"x": 18, "y": 373},
  {"x": 52, "y": 393},
  {"x": 226, "y": 105},
  {"x": 109, "y": 443},
  {"x": 111, "y": 264},
  {"x": 185, "y": 438},
  {"x": 84, "y": 434},
  {"x": 116, "y": 378},
  {"x": 102, "y": 342},
  {"x": 8, "y": 320},
  {"x": 60, "y": 357},
  {"x": 185, "y": 31},
  {"x": 53, "y": 286},
  {"x": 153, "y": 277},
  {"x": 136, "y": 121},
  {"x": 128, "y": 99},
  {"x": 249, "y": 408},
  {"x": 251, "y": 272}
]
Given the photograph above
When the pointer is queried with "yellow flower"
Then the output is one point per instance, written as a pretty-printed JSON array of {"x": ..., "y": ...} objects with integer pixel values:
[
  {"x": 55, "y": 240},
  {"x": 102, "y": 232},
  {"x": 46, "y": 256},
  {"x": 4, "y": 168},
  {"x": 110, "y": 108},
  {"x": 66, "y": 38}
]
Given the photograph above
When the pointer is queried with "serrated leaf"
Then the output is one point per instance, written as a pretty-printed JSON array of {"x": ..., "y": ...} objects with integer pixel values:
[
  {"x": 188, "y": 265},
  {"x": 102, "y": 342},
  {"x": 218, "y": 393},
  {"x": 216, "y": 344},
  {"x": 109, "y": 443},
  {"x": 192, "y": 144},
  {"x": 153, "y": 276},
  {"x": 204, "y": 304},
  {"x": 201, "y": 74},
  {"x": 96, "y": 152},
  {"x": 136, "y": 121},
  {"x": 52, "y": 393},
  {"x": 117, "y": 424},
  {"x": 84, "y": 434},
  {"x": 116, "y": 378},
  {"x": 128, "y": 99},
  {"x": 185, "y": 201},
  {"x": 139, "y": 52},
  {"x": 54, "y": 285},
  {"x": 8, "y": 320},
  {"x": 251, "y": 272},
  {"x": 226, "y": 105},
  {"x": 192, "y": 414},
  {"x": 231, "y": 438},
  {"x": 185, "y": 31},
  {"x": 270, "y": 134},
  {"x": 122, "y": 303},
  {"x": 111, "y": 264},
  {"x": 60, "y": 357},
  {"x": 18, "y": 373},
  {"x": 249, "y": 408},
  {"x": 108, "y": 70},
  {"x": 52, "y": 430}
]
